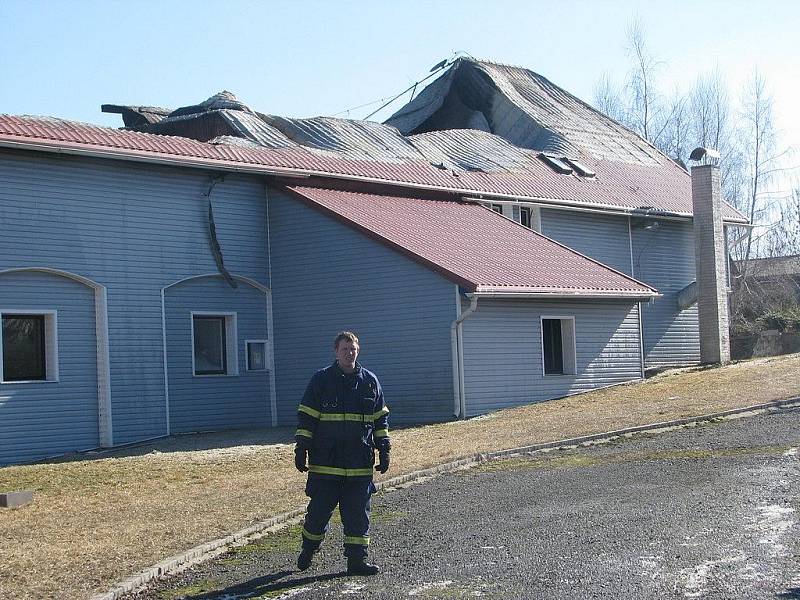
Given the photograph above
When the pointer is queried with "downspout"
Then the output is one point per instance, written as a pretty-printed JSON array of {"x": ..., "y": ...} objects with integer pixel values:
[{"x": 457, "y": 342}]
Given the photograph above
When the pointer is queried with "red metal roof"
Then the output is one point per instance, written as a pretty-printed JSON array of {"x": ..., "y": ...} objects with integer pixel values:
[
  {"x": 473, "y": 246},
  {"x": 617, "y": 185}
]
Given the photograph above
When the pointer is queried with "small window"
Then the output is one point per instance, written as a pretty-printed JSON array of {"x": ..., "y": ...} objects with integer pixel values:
[
  {"x": 29, "y": 347},
  {"x": 557, "y": 164},
  {"x": 256, "y": 355},
  {"x": 214, "y": 344},
  {"x": 579, "y": 167},
  {"x": 498, "y": 208},
  {"x": 558, "y": 345},
  {"x": 525, "y": 216}
]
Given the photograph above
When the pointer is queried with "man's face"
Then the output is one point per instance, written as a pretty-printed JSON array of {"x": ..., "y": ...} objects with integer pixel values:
[{"x": 346, "y": 354}]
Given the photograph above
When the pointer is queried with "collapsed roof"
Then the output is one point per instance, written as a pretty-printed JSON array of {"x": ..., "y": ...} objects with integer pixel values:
[{"x": 481, "y": 130}]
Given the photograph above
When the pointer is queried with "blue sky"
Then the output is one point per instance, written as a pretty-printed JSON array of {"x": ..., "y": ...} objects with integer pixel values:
[{"x": 307, "y": 58}]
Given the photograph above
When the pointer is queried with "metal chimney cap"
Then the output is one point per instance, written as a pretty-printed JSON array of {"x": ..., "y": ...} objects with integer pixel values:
[{"x": 707, "y": 156}]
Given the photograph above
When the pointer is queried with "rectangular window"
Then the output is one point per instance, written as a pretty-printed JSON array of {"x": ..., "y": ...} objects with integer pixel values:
[
  {"x": 24, "y": 348},
  {"x": 558, "y": 345},
  {"x": 214, "y": 343},
  {"x": 256, "y": 355},
  {"x": 28, "y": 346},
  {"x": 498, "y": 208},
  {"x": 525, "y": 216}
]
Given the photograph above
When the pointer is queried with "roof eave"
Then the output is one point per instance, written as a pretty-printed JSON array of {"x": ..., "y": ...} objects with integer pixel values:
[
  {"x": 99, "y": 151},
  {"x": 564, "y": 295}
]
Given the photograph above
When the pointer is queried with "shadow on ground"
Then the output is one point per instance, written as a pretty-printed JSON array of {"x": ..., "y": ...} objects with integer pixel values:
[
  {"x": 268, "y": 585},
  {"x": 790, "y": 594}
]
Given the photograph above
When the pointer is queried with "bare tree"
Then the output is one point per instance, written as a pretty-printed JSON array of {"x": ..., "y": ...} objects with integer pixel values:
[
  {"x": 758, "y": 144},
  {"x": 644, "y": 111},
  {"x": 675, "y": 138},
  {"x": 608, "y": 99}
]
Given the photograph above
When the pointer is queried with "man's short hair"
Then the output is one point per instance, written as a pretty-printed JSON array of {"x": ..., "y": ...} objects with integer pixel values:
[{"x": 345, "y": 335}]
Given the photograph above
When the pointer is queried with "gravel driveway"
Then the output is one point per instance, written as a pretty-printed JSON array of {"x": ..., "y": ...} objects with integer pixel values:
[{"x": 701, "y": 512}]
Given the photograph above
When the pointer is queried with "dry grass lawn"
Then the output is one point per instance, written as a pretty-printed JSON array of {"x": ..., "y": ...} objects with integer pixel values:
[{"x": 97, "y": 519}]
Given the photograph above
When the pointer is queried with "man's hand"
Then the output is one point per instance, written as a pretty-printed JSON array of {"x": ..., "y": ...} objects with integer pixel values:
[
  {"x": 383, "y": 463},
  {"x": 300, "y": 458}
]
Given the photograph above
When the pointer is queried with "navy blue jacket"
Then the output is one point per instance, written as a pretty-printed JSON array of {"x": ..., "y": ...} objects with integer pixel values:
[{"x": 342, "y": 419}]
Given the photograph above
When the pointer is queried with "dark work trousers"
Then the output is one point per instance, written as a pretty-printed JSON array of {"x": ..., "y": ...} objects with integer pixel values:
[{"x": 353, "y": 496}]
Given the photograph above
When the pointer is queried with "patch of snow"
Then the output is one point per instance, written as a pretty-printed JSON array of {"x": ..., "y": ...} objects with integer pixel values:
[
  {"x": 433, "y": 585},
  {"x": 696, "y": 578},
  {"x": 774, "y": 523}
]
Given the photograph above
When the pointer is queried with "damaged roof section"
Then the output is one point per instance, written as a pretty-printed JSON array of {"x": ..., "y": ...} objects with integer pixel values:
[
  {"x": 480, "y": 128},
  {"x": 524, "y": 108}
]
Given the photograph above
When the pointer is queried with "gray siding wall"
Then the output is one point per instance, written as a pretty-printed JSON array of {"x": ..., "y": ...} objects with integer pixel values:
[
  {"x": 41, "y": 418},
  {"x": 503, "y": 351},
  {"x": 213, "y": 402},
  {"x": 328, "y": 277},
  {"x": 604, "y": 238},
  {"x": 664, "y": 258},
  {"x": 134, "y": 229}
]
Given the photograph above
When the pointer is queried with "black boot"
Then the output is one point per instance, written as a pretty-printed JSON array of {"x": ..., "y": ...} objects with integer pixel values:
[
  {"x": 360, "y": 566},
  {"x": 305, "y": 559}
]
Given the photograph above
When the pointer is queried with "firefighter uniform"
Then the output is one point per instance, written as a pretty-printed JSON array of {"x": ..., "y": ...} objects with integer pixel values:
[{"x": 342, "y": 420}]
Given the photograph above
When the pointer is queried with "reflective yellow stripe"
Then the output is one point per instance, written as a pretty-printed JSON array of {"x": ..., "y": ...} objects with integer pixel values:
[
  {"x": 304, "y": 433},
  {"x": 381, "y": 433},
  {"x": 309, "y": 411},
  {"x": 313, "y": 536},
  {"x": 380, "y": 413},
  {"x": 337, "y": 471},
  {"x": 344, "y": 417},
  {"x": 360, "y": 540}
]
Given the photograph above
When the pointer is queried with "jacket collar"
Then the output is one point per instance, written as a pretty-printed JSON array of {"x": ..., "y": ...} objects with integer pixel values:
[{"x": 357, "y": 372}]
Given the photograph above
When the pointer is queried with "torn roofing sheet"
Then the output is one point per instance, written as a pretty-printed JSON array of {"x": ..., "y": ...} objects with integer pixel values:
[
  {"x": 474, "y": 247},
  {"x": 524, "y": 108}
]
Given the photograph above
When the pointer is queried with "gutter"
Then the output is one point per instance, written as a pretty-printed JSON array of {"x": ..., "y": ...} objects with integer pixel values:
[
  {"x": 457, "y": 344},
  {"x": 221, "y": 165},
  {"x": 565, "y": 296}
]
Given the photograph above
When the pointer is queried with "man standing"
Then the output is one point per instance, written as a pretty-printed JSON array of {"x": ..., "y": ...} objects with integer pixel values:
[{"x": 342, "y": 419}]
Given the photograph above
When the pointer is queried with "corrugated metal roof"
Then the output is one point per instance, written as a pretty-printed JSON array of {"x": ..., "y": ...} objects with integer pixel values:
[
  {"x": 473, "y": 246},
  {"x": 624, "y": 186}
]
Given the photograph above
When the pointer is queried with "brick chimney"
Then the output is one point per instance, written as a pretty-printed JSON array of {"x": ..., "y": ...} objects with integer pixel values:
[{"x": 710, "y": 257}]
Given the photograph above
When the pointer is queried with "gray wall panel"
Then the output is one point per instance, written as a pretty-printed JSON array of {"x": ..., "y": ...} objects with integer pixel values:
[
  {"x": 50, "y": 417},
  {"x": 328, "y": 277},
  {"x": 664, "y": 258},
  {"x": 503, "y": 354},
  {"x": 207, "y": 403},
  {"x": 134, "y": 229},
  {"x": 603, "y": 237}
]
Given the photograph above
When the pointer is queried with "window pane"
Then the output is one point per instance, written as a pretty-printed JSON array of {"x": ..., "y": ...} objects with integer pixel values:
[
  {"x": 553, "y": 357},
  {"x": 209, "y": 345},
  {"x": 256, "y": 356},
  {"x": 525, "y": 216},
  {"x": 23, "y": 348}
]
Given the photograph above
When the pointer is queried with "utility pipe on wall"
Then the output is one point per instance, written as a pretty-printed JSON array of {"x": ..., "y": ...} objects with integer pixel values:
[{"x": 457, "y": 342}]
